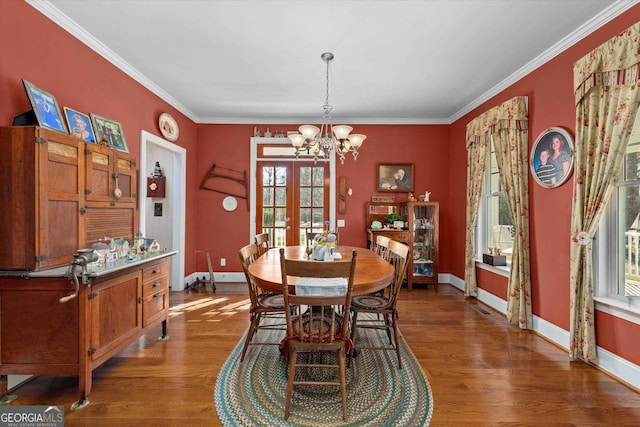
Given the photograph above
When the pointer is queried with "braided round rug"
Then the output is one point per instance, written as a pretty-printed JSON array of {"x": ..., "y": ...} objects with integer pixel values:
[{"x": 378, "y": 393}]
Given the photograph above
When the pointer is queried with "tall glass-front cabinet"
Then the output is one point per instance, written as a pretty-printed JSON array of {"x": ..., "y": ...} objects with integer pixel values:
[{"x": 423, "y": 223}]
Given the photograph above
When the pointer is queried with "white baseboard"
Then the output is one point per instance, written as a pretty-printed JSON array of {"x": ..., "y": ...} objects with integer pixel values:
[{"x": 613, "y": 364}]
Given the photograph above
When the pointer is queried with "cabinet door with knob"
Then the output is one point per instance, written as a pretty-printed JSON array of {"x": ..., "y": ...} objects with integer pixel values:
[
  {"x": 110, "y": 175},
  {"x": 42, "y": 194}
]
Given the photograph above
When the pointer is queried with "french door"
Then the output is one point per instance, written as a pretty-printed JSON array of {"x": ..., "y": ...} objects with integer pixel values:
[{"x": 292, "y": 199}]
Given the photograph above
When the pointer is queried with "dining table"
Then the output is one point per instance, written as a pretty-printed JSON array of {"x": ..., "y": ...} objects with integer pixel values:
[{"x": 372, "y": 273}]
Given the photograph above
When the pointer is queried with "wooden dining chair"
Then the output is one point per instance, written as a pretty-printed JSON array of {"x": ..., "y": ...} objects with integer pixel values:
[
  {"x": 267, "y": 311},
  {"x": 383, "y": 306},
  {"x": 322, "y": 299},
  {"x": 262, "y": 241},
  {"x": 382, "y": 246},
  {"x": 310, "y": 236}
]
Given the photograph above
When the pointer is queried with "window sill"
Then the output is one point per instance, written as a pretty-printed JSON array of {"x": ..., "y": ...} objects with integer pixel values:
[
  {"x": 618, "y": 308},
  {"x": 500, "y": 270}
]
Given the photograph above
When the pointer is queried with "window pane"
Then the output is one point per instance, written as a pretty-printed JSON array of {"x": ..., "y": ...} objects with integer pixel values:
[
  {"x": 281, "y": 176},
  {"x": 267, "y": 196},
  {"x": 318, "y": 220},
  {"x": 281, "y": 214},
  {"x": 305, "y": 217},
  {"x": 318, "y": 197},
  {"x": 500, "y": 230},
  {"x": 318, "y": 176},
  {"x": 630, "y": 239},
  {"x": 267, "y": 217},
  {"x": 267, "y": 176},
  {"x": 305, "y": 196},
  {"x": 305, "y": 176},
  {"x": 281, "y": 196}
]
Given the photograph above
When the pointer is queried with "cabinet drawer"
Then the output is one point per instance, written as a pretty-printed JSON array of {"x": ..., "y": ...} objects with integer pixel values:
[
  {"x": 154, "y": 285},
  {"x": 155, "y": 306},
  {"x": 155, "y": 271},
  {"x": 401, "y": 237}
]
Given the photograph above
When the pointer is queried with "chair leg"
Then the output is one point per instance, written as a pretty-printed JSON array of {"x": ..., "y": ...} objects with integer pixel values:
[
  {"x": 395, "y": 334},
  {"x": 252, "y": 330},
  {"x": 343, "y": 383},
  {"x": 292, "y": 372},
  {"x": 354, "y": 321},
  {"x": 389, "y": 323}
]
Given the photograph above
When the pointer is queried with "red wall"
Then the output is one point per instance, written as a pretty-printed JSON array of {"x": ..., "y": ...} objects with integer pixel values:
[
  {"x": 228, "y": 146},
  {"x": 551, "y": 104},
  {"x": 36, "y": 49}
]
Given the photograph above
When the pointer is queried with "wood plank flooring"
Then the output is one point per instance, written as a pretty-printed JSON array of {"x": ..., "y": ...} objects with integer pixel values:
[{"x": 482, "y": 371}]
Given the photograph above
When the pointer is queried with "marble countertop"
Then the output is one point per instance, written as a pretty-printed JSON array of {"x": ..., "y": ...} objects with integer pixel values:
[{"x": 93, "y": 271}]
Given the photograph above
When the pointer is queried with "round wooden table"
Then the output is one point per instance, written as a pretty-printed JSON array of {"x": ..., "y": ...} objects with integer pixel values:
[{"x": 372, "y": 272}]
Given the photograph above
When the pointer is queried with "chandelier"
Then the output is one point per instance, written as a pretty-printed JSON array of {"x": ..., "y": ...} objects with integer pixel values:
[{"x": 321, "y": 142}]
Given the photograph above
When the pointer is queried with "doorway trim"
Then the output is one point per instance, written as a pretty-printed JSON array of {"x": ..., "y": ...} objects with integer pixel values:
[{"x": 177, "y": 182}]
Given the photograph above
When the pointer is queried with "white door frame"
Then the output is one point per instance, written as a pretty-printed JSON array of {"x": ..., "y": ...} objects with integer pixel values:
[{"x": 179, "y": 187}]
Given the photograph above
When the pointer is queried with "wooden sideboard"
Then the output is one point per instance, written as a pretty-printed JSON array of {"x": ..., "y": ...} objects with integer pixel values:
[{"x": 39, "y": 335}]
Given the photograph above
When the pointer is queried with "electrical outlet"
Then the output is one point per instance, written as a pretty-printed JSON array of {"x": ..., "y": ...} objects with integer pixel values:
[
  {"x": 223, "y": 262},
  {"x": 341, "y": 223}
]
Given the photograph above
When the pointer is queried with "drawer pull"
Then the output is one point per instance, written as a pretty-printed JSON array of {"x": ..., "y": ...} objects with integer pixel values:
[
  {"x": 158, "y": 295},
  {"x": 155, "y": 285},
  {"x": 156, "y": 271}
]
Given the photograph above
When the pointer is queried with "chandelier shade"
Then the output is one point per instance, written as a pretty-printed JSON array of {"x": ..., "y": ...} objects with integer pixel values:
[{"x": 327, "y": 139}]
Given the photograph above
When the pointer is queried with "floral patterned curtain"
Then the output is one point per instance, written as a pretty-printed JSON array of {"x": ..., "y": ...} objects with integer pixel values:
[
  {"x": 507, "y": 126},
  {"x": 476, "y": 164},
  {"x": 607, "y": 94}
]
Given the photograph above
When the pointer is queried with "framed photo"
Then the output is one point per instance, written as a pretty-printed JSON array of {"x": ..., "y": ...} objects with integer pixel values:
[
  {"x": 109, "y": 131},
  {"x": 395, "y": 177},
  {"x": 45, "y": 108},
  {"x": 79, "y": 125},
  {"x": 551, "y": 159}
]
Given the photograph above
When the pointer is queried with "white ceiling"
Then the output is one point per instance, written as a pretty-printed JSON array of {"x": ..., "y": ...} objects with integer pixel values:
[{"x": 258, "y": 61}]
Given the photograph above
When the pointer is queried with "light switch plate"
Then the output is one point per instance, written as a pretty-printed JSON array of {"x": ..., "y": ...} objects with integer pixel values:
[{"x": 341, "y": 223}]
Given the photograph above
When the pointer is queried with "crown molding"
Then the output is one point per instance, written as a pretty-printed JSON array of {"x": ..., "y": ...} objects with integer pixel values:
[
  {"x": 50, "y": 11},
  {"x": 46, "y": 8},
  {"x": 616, "y": 9}
]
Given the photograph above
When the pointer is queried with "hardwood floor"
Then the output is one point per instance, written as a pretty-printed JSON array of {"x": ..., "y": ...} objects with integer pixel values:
[{"x": 482, "y": 371}]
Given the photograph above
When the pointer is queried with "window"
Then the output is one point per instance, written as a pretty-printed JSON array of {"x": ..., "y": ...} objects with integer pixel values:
[
  {"x": 495, "y": 226},
  {"x": 617, "y": 244}
]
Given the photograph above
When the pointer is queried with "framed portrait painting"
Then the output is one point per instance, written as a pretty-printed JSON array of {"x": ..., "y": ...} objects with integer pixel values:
[
  {"x": 45, "y": 108},
  {"x": 395, "y": 177},
  {"x": 79, "y": 125},
  {"x": 109, "y": 131},
  {"x": 551, "y": 159}
]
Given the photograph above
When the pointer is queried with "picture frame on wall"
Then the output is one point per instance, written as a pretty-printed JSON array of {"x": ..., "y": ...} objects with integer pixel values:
[
  {"x": 395, "y": 177},
  {"x": 79, "y": 125},
  {"x": 45, "y": 108},
  {"x": 551, "y": 160},
  {"x": 109, "y": 131}
]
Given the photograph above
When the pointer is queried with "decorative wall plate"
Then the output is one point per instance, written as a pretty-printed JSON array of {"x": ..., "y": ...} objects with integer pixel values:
[
  {"x": 229, "y": 203},
  {"x": 168, "y": 127}
]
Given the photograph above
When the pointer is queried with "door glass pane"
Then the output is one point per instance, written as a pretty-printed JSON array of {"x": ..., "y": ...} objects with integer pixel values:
[
  {"x": 281, "y": 176},
  {"x": 318, "y": 197},
  {"x": 268, "y": 176},
  {"x": 305, "y": 176},
  {"x": 267, "y": 217},
  {"x": 267, "y": 196},
  {"x": 281, "y": 214},
  {"x": 305, "y": 196},
  {"x": 318, "y": 176},
  {"x": 281, "y": 196}
]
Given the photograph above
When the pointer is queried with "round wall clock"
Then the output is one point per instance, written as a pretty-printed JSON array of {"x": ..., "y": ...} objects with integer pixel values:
[
  {"x": 168, "y": 127},
  {"x": 229, "y": 203}
]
